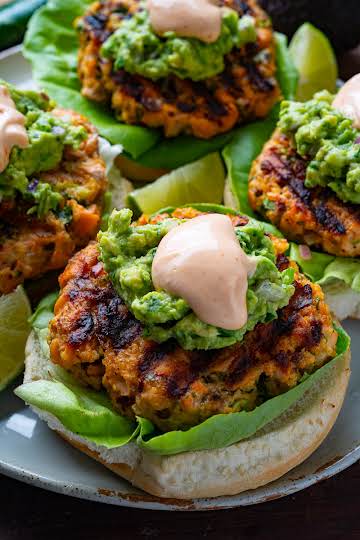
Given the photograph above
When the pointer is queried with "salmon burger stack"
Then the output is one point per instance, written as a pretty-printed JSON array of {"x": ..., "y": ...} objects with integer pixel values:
[
  {"x": 306, "y": 181},
  {"x": 188, "y": 68},
  {"x": 52, "y": 183},
  {"x": 195, "y": 365}
]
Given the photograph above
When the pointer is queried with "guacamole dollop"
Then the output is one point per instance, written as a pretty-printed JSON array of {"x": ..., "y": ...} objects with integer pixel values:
[
  {"x": 48, "y": 135},
  {"x": 136, "y": 48},
  {"x": 326, "y": 137},
  {"x": 128, "y": 252}
]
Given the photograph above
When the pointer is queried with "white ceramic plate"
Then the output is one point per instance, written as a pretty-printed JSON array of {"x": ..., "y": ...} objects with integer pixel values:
[{"x": 29, "y": 451}]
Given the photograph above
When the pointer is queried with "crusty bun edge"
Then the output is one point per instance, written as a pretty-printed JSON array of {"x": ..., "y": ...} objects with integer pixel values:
[{"x": 254, "y": 462}]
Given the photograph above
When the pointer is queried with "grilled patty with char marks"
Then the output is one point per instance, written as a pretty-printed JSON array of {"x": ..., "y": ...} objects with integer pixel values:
[
  {"x": 95, "y": 337},
  {"x": 245, "y": 90},
  {"x": 316, "y": 216},
  {"x": 29, "y": 246}
]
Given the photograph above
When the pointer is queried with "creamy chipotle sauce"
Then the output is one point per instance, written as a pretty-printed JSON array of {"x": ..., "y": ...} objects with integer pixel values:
[
  {"x": 12, "y": 128},
  {"x": 202, "y": 262},
  {"x": 348, "y": 100},
  {"x": 199, "y": 19}
]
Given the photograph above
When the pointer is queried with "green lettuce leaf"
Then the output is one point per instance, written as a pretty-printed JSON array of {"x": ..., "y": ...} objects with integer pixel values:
[
  {"x": 90, "y": 414},
  {"x": 287, "y": 74},
  {"x": 84, "y": 412},
  {"x": 44, "y": 312},
  {"x": 174, "y": 153},
  {"x": 241, "y": 152},
  {"x": 328, "y": 270}
]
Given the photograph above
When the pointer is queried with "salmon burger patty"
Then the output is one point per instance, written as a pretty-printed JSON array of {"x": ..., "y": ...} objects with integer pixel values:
[
  {"x": 94, "y": 336},
  {"x": 31, "y": 246},
  {"x": 245, "y": 90},
  {"x": 316, "y": 216}
]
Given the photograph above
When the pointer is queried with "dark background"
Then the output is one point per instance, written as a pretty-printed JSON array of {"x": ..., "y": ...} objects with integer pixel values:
[{"x": 326, "y": 511}]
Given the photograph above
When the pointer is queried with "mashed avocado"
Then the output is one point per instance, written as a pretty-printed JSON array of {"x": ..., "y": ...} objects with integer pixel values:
[
  {"x": 128, "y": 251},
  {"x": 48, "y": 136},
  {"x": 326, "y": 137},
  {"x": 135, "y": 47}
]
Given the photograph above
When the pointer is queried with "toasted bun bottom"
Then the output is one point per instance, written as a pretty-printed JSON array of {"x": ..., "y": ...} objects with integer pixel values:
[{"x": 280, "y": 446}]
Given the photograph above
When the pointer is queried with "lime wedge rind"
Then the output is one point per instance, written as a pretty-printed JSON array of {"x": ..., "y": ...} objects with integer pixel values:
[
  {"x": 15, "y": 311},
  {"x": 200, "y": 181},
  {"x": 315, "y": 61}
]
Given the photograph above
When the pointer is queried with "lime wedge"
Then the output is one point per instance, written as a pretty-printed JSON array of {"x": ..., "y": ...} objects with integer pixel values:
[
  {"x": 200, "y": 181},
  {"x": 315, "y": 60},
  {"x": 136, "y": 172},
  {"x": 14, "y": 329}
]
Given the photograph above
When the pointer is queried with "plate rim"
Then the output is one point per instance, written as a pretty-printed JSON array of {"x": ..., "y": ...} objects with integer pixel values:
[
  {"x": 12, "y": 51},
  {"x": 146, "y": 501}
]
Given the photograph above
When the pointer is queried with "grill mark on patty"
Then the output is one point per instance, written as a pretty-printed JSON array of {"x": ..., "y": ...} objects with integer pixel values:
[
  {"x": 131, "y": 84},
  {"x": 302, "y": 297},
  {"x": 151, "y": 357},
  {"x": 83, "y": 329},
  {"x": 320, "y": 210},
  {"x": 292, "y": 171},
  {"x": 186, "y": 107},
  {"x": 269, "y": 333},
  {"x": 263, "y": 84},
  {"x": 239, "y": 367},
  {"x": 115, "y": 324},
  {"x": 328, "y": 219},
  {"x": 95, "y": 24},
  {"x": 180, "y": 380},
  {"x": 274, "y": 164},
  {"x": 316, "y": 332},
  {"x": 282, "y": 262},
  {"x": 107, "y": 318}
]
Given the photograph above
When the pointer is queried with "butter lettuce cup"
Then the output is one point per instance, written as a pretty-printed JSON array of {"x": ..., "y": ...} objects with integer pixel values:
[
  {"x": 187, "y": 353},
  {"x": 53, "y": 184},
  {"x": 306, "y": 181}
]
